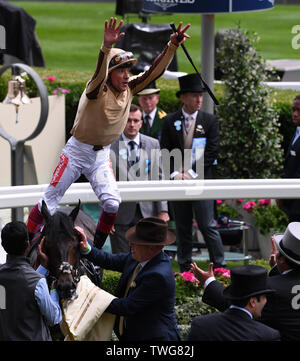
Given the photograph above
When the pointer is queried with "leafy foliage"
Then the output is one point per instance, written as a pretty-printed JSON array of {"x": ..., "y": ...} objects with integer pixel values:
[
  {"x": 270, "y": 218},
  {"x": 186, "y": 286},
  {"x": 224, "y": 209},
  {"x": 110, "y": 281},
  {"x": 250, "y": 142}
]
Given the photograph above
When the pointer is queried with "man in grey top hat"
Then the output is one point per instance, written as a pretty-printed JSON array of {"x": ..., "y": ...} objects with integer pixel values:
[{"x": 282, "y": 309}]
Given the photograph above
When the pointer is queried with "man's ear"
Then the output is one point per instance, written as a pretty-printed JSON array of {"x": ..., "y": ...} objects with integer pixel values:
[
  {"x": 280, "y": 260},
  {"x": 182, "y": 97},
  {"x": 252, "y": 302}
]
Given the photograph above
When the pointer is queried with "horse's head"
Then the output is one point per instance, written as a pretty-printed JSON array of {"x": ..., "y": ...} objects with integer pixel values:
[{"x": 62, "y": 248}]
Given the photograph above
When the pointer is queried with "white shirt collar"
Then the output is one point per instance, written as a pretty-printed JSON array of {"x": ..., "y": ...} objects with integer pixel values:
[
  {"x": 186, "y": 115},
  {"x": 127, "y": 140},
  {"x": 151, "y": 115},
  {"x": 144, "y": 263},
  {"x": 286, "y": 271},
  {"x": 242, "y": 309}
]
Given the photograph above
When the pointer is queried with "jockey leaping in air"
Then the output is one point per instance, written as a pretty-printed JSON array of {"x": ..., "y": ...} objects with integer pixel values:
[{"x": 101, "y": 118}]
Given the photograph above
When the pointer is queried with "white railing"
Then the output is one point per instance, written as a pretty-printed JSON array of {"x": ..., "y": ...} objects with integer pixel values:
[{"x": 22, "y": 196}]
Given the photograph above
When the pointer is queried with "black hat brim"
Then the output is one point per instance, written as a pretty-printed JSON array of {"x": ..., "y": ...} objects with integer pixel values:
[
  {"x": 184, "y": 91},
  {"x": 227, "y": 293}
]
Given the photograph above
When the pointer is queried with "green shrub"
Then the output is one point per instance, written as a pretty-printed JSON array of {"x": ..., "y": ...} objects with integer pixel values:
[
  {"x": 270, "y": 218},
  {"x": 223, "y": 209},
  {"x": 110, "y": 281},
  {"x": 283, "y": 105},
  {"x": 187, "y": 311},
  {"x": 250, "y": 139}
]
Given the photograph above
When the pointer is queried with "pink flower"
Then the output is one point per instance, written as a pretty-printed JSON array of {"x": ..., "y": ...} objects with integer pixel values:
[
  {"x": 249, "y": 206},
  {"x": 60, "y": 91},
  {"x": 189, "y": 277},
  {"x": 239, "y": 201},
  {"x": 219, "y": 201},
  {"x": 222, "y": 272},
  {"x": 264, "y": 202},
  {"x": 51, "y": 78}
]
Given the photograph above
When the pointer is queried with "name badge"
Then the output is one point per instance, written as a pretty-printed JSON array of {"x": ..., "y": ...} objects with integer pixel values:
[{"x": 293, "y": 153}]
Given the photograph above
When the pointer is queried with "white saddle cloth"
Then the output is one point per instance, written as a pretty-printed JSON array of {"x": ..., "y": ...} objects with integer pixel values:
[{"x": 84, "y": 318}]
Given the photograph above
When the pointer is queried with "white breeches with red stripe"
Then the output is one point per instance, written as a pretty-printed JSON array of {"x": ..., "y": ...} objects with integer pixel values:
[{"x": 79, "y": 158}]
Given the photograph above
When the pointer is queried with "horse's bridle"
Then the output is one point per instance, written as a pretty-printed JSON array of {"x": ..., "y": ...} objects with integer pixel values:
[
  {"x": 67, "y": 268},
  {"x": 64, "y": 268}
]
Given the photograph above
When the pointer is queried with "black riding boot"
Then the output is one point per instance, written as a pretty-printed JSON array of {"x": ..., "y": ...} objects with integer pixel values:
[{"x": 99, "y": 238}]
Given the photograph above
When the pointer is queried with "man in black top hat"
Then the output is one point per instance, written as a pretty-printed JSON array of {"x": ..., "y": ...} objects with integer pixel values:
[
  {"x": 152, "y": 115},
  {"x": 247, "y": 295},
  {"x": 192, "y": 131}
]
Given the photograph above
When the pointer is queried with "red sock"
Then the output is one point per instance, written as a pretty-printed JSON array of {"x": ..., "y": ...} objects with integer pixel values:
[
  {"x": 35, "y": 219},
  {"x": 106, "y": 222}
]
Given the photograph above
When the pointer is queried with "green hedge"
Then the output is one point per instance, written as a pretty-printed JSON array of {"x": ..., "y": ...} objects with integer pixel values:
[{"x": 75, "y": 83}]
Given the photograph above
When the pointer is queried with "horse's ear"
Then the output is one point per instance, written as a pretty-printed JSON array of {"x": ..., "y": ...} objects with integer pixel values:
[
  {"x": 75, "y": 211},
  {"x": 45, "y": 212}
]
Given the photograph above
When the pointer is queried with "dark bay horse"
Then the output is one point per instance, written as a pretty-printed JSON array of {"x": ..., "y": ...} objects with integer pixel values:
[{"x": 61, "y": 245}]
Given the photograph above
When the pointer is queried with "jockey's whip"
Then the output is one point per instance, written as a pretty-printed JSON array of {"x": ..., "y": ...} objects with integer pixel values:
[{"x": 173, "y": 27}]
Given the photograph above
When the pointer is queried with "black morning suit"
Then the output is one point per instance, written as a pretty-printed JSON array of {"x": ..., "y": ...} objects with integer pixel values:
[
  {"x": 231, "y": 325},
  {"x": 282, "y": 310},
  {"x": 206, "y": 126},
  {"x": 292, "y": 170}
]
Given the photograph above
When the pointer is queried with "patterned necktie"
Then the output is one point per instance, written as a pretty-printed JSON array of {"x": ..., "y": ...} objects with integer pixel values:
[
  {"x": 147, "y": 124},
  {"x": 188, "y": 123},
  {"x": 129, "y": 284},
  {"x": 132, "y": 157}
]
